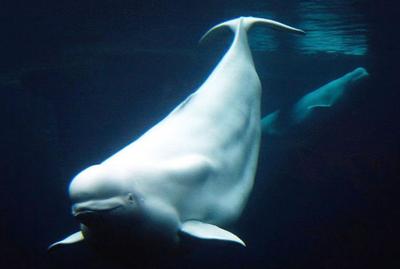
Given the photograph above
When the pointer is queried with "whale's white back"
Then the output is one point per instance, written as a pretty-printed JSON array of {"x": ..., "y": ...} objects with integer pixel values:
[{"x": 216, "y": 129}]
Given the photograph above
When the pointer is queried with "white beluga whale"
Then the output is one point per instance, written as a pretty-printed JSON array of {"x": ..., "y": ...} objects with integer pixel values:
[{"x": 190, "y": 174}]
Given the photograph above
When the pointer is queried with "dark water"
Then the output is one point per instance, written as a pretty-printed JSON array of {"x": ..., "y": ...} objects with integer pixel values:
[{"x": 80, "y": 80}]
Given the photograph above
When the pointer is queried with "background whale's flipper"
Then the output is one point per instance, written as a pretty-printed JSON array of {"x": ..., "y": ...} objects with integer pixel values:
[{"x": 305, "y": 109}]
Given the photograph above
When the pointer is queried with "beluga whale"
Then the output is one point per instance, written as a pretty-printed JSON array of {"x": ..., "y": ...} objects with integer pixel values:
[
  {"x": 312, "y": 107},
  {"x": 191, "y": 174}
]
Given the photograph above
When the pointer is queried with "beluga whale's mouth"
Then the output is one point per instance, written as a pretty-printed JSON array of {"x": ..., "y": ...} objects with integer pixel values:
[
  {"x": 90, "y": 216},
  {"x": 87, "y": 217},
  {"x": 79, "y": 211}
]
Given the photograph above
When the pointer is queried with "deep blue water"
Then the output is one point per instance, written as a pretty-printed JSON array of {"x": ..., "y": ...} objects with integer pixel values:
[{"x": 81, "y": 79}]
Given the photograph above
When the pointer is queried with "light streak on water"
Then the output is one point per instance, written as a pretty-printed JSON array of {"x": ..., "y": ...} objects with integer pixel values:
[
  {"x": 335, "y": 26},
  {"x": 332, "y": 27}
]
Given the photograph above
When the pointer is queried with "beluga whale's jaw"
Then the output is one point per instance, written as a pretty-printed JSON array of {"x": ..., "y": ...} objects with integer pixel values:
[{"x": 189, "y": 175}]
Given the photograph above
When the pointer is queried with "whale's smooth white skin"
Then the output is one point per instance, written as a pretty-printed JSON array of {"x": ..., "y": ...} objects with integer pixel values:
[
  {"x": 306, "y": 108},
  {"x": 190, "y": 174}
]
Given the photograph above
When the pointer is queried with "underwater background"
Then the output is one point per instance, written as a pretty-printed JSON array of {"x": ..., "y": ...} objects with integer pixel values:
[{"x": 81, "y": 79}]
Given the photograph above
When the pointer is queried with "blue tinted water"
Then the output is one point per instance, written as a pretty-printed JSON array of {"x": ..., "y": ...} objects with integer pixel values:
[{"x": 79, "y": 80}]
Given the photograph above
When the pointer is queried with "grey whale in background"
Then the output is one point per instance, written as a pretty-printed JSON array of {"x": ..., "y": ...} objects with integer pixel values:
[{"x": 309, "y": 107}]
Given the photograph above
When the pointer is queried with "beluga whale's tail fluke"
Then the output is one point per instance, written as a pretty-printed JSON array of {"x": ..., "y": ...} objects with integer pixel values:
[{"x": 247, "y": 22}]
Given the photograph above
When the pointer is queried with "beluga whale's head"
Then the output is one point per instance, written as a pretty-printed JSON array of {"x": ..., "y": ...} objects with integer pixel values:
[
  {"x": 95, "y": 192},
  {"x": 115, "y": 215},
  {"x": 103, "y": 204}
]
